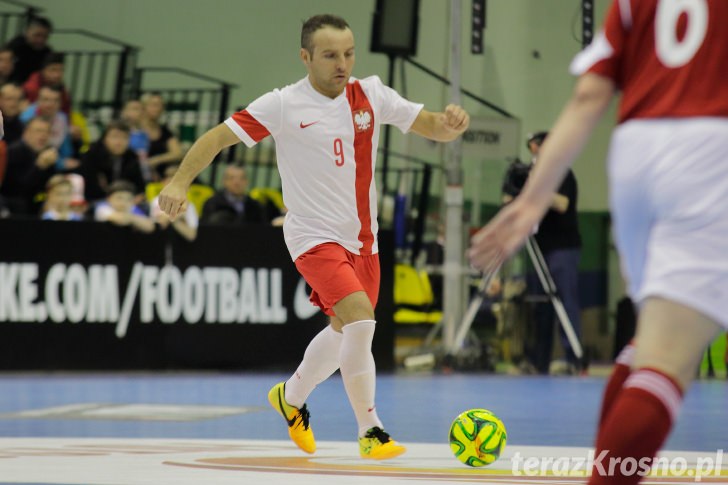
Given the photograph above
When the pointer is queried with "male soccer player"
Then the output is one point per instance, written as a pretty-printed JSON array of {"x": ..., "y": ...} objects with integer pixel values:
[
  {"x": 326, "y": 128},
  {"x": 668, "y": 170}
]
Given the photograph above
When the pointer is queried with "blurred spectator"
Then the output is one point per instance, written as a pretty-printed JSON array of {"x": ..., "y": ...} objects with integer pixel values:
[
  {"x": 50, "y": 74},
  {"x": 232, "y": 204},
  {"x": 138, "y": 138},
  {"x": 7, "y": 63},
  {"x": 186, "y": 224},
  {"x": 164, "y": 146},
  {"x": 48, "y": 107},
  {"x": 10, "y": 97},
  {"x": 31, "y": 162},
  {"x": 119, "y": 208},
  {"x": 30, "y": 48},
  {"x": 59, "y": 197},
  {"x": 3, "y": 158},
  {"x": 110, "y": 159}
]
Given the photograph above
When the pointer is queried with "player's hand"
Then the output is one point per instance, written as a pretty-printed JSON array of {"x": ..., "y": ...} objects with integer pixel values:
[
  {"x": 456, "y": 118},
  {"x": 504, "y": 235},
  {"x": 173, "y": 200}
]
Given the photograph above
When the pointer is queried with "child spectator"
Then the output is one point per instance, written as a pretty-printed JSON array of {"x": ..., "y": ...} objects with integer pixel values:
[
  {"x": 119, "y": 208},
  {"x": 59, "y": 196}
]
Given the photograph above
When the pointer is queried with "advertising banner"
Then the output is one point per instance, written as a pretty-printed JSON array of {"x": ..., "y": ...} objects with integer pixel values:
[{"x": 86, "y": 295}]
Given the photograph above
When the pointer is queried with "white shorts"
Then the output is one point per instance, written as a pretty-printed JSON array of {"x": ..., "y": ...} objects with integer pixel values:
[{"x": 669, "y": 202}]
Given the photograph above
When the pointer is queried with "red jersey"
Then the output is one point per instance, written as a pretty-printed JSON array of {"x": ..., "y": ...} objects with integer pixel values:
[{"x": 669, "y": 58}]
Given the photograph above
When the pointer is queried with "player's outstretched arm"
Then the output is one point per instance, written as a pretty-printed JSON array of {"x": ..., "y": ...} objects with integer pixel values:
[
  {"x": 173, "y": 198},
  {"x": 444, "y": 126},
  {"x": 508, "y": 230}
]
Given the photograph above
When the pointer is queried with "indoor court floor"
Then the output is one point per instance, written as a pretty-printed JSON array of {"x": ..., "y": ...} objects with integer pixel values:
[{"x": 200, "y": 428}]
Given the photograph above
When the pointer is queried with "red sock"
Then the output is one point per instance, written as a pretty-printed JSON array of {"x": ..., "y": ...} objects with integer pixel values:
[
  {"x": 635, "y": 428},
  {"x": 619, "y": 374}
]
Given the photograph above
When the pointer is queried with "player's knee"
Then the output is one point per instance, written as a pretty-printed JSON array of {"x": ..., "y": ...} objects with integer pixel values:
[{"x": 354, "y": 308}]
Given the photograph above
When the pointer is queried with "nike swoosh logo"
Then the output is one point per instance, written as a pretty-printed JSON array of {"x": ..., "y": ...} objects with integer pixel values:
[
  {"x": 280, "y": 403},
  {"x": 302, "y": 306},
  {"x": 302, "y": 125}
]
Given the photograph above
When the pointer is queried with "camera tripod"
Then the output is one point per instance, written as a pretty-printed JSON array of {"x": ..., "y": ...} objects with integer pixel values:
[{"x": 544, "y": 275}]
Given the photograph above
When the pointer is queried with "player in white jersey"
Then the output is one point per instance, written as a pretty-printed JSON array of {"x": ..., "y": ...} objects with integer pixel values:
[
  {"x": 668, "y": 170},
  {"x": 326, "y": 130}
]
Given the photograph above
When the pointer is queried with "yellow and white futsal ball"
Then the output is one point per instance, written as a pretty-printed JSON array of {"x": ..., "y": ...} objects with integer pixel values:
[{"x": 477, "y": 437}]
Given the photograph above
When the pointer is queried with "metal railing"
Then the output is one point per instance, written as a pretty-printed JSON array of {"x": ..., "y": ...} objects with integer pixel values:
[
  {"x": 13, "y": 23},
  {"x": 211, "y": 102},
  {"x": 99, "y": 70},
  {"x": 199, "y": 103}
]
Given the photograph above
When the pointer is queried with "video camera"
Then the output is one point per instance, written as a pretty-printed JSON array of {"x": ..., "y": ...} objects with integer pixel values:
[
  {"x": 517, "y": 173},
  {"x": 515, "y": 177}
]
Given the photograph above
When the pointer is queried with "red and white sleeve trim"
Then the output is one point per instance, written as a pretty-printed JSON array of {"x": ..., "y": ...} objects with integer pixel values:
[
  {"x": 247, "y": 128},
  {"x": 598, "y": 50}
]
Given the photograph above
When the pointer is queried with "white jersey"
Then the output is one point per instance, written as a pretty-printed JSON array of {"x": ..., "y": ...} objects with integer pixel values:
[{"x": 326, "y": 150}]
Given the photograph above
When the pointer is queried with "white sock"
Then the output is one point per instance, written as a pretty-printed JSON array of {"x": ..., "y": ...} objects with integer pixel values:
[
  {"x": 359, "y": 372},
  {"x": 320, "y": 360}
]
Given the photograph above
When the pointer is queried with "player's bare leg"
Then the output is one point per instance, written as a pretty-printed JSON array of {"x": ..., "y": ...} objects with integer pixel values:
[
  {"x": 358, "y": 371},
  {"x": 670, "y": 342}
]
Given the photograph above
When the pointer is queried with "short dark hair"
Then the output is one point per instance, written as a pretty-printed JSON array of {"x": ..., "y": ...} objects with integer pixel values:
[
  {"x": 317, "y": 22},
  {"x": 35, "y": 119},
  {"x": 56, "y": 89},
  {"x": 120, "y": 186},
  {"x": 56, "y": 180},
  {"x": 537, "y": 138},
  {"x": 116, "y": 125},
  {"x": 39, "y": 22},
  {"x": 10, "y": 83},
  {"x": 53, "y": 58},
  {"x": 238, "y": 165}
]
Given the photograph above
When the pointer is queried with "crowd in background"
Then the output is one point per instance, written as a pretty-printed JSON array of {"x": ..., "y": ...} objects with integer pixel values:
[{"x": 50, "y": 168}]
